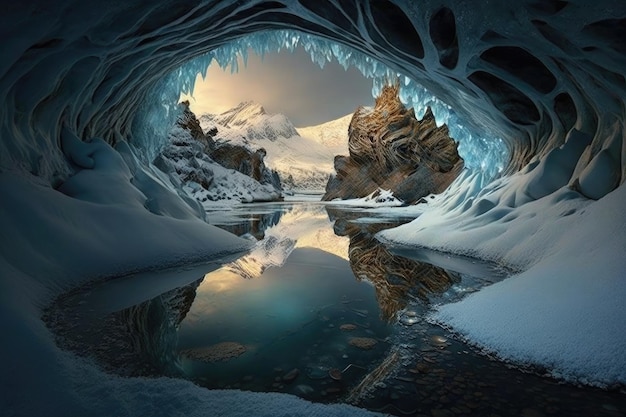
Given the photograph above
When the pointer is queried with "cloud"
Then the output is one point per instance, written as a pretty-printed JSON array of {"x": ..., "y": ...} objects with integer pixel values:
[{"x": 287, "y": 83}]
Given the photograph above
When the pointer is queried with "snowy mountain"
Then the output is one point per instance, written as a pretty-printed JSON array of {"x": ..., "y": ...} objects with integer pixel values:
[
  {"x": 333, "y": 134},
  {"x": 250, "y": 120},
  {"x": 304, "y": 161}
]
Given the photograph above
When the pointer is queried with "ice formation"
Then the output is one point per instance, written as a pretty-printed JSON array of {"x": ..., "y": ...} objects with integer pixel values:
[
  {"x": 108, "y": 75},
  {"x": 486, "y": 154}
]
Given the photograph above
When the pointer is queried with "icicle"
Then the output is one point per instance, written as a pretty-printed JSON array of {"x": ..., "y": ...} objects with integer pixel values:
[{"x": 485, "y": 154}]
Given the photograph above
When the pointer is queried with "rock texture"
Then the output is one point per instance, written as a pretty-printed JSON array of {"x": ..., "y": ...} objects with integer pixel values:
[
  {"x": 230, "y": 156},
  {"x": 190, "y": 122},
  {"x": 205, "y": 165},
  {"x": 395, "y": 279},
  {"x": 247, "y": 162},
  {"x": 390, "y": 149},
  {"x": 137, "y": 341}
]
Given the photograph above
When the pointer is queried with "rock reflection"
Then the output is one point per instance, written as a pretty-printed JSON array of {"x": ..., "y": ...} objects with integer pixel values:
[
  {"x": 136, "y": 341},
  {"x": 396, "y": 279},
  {"x": 254, "y": 224}
]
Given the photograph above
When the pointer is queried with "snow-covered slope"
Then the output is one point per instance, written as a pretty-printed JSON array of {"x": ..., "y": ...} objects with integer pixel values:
[
  {"x": 205, "y": 180},
  {"x": 333, "y": 134},
  {"x": 303, "y": 161},
  {"x": 251, "y": 121},
  {"x": 567, "y": 306}
]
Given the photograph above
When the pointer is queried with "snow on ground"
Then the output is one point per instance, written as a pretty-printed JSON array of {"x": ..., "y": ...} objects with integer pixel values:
[
  {"x": 378, "y": 198},
  {"x": 332, "y": 134},
  {"x": 232, "y": 186},
  {"x": 185, "y": 160},
  {"x": 566, "y": 310},
  {"x": 112, "y": 217}
]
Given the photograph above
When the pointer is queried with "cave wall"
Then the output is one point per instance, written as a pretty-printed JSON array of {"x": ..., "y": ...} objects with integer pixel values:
[{"x": 528, "y": 70}]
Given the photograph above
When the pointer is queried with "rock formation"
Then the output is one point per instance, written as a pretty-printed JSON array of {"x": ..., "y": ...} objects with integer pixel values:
[
  {"x": 230, "y": 156},
  {"x": 247, "y": 162},
  {"x": 190, "y": 122},
  {"x": 390, "y": 149},
  {"x": 195, "y": 156}
]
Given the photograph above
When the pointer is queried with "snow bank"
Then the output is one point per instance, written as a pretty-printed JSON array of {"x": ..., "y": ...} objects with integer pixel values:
[
  {"x": 110, "y": 218},
  {"x": 378, "y": 198},
  {"x": 566, "y": 311}
]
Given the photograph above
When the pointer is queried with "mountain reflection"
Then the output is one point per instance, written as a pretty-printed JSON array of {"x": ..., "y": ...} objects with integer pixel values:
[
  {"x": 396, "y": 279},
  {"x": 254, "y": 224}
]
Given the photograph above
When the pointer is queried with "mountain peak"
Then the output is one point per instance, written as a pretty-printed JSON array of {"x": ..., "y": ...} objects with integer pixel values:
[
  {"x": 250, "y": 121},
  {"x": 241, "y": 114},
  {"x": 250, "y": 106}
]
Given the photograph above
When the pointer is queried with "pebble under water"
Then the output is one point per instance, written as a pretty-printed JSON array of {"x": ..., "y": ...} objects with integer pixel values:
[{"x": 321, "y": 310}]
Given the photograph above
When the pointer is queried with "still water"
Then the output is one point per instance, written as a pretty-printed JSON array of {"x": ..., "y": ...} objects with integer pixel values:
[{"x": 319, "y": 309}]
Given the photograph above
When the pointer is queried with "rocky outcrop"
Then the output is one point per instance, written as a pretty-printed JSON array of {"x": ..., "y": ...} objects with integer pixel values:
[
  {"x": 188, "y": 121},
  {"x": 390, "y": 149},
  {"x": 211, "y": 170},
  {"x": 231, "y": 156},
  {"x": 247, "y": 162}
]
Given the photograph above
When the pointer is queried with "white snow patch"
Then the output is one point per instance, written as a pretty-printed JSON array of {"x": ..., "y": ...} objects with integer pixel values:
[
  {"x": 566, "y": 311},
  {"x": 304, "y": 158},
  {"x": 378, "y": 198}
]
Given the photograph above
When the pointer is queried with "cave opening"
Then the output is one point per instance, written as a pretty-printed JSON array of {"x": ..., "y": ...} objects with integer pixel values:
[
  {"x": 482, "y": 152},
  {"x": 89, "y": 92}
]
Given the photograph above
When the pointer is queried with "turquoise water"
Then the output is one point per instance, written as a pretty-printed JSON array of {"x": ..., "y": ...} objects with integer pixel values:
[
  {"x": 320, "y": 309},
  {"x": 287, "y": 318}
]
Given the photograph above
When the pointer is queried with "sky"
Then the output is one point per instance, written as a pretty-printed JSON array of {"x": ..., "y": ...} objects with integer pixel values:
[{"x": 284, "y": 82}]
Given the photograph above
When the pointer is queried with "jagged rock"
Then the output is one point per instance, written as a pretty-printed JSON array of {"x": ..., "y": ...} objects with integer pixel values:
[
  {"x": 188, "y": 121},
  {"x": 247, "y": 162},
  {"x": 392, "y": 150},
  {"x": 188, "y": 160}
]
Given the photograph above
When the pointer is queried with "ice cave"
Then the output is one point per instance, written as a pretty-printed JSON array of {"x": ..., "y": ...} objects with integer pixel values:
[{"x": 533, "y": 91}]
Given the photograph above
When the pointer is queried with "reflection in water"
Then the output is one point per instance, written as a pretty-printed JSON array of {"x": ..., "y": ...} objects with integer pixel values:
[
  {"x": 396, "y": 279},
  {"x": 291, "y": 317},
  {"x": 254, "y": 224},
  {"x": 309, "y": 327},
  {"x": 270, "y": 252},
  {"x": 136, "y": 341}
]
